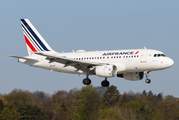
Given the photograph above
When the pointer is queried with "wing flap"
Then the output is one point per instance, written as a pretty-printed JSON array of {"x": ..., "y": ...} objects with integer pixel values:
[{"x": 69, "y": 61}]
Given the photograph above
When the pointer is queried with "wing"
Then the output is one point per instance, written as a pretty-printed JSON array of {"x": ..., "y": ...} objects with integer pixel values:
[{"x": 78, "y": 64}]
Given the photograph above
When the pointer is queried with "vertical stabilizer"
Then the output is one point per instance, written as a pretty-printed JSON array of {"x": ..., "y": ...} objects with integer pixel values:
[{"x": 34, "y": 41}]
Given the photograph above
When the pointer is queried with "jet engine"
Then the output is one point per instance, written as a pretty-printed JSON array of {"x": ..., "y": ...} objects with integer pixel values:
[
  {"x": 133, "y": 76},
  {"x": 106, "y": 71}
]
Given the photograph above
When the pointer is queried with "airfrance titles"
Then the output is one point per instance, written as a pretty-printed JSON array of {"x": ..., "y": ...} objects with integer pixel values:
[{"x": 119, "y": 53}]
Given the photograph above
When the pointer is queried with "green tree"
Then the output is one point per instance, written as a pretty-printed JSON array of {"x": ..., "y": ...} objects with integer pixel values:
[
  {"x": 60, "y": 106},
  {"x": 111, "y": 96},
  {"x": 86, "y": 104},
  {"x": 42, "y": 99},
  {"x": 22, "y": 97},
  {"x": 9, "y": 114},
  {"x": 169, "y": 108},
  {"x": 143, "y": 109},
  {"x": 117, "y": 113},
  {"x": 110, "y": 114},
  {"x": 29, "y": 112},
  {"x": 1, "y": 105},
  {"x": 159, "y": 97},
  {"x": 144, "y": 93}
]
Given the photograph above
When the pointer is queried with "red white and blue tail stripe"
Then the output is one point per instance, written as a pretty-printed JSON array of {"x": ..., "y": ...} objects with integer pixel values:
[{"x": 33, "y": 39}]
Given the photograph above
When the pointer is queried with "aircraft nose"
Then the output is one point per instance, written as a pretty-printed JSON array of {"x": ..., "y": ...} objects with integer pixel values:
[{"x": 170, "y": 62}]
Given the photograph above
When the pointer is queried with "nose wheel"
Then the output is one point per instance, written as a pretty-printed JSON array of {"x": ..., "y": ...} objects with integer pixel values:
[
  {"x": 147, "y": 75},
  {"x": 148, "y": 81}
]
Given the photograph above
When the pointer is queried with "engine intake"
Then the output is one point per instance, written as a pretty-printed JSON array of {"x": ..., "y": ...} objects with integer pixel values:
[
  {"x": 106, "y": 71},
  {"x": 134, "y": 76}
]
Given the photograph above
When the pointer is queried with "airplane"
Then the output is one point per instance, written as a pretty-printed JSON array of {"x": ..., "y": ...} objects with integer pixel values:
[{"x": 130, "y": 64}]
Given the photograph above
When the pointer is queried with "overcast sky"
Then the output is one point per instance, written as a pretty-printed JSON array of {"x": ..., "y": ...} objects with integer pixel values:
[{"x": 90, "y": 25}]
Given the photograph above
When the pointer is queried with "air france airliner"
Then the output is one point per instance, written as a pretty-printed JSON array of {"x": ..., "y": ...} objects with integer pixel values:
[{"x": 129, "y": 64}]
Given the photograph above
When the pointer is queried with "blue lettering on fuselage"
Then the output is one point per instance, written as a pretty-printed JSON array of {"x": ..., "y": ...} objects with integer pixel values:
[{"x": 119, "y": 53}]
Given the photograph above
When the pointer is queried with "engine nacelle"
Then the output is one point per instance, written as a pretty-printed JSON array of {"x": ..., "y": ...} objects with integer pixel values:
[
  {"x": 106, "y": 71},
  {"x": 134, "y": 76}
]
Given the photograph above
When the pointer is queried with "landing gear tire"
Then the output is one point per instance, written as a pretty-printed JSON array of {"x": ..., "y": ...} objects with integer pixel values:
[
  {"x": 147, "y": 75},
  {"x": 105, "y": 83},
  {"x": 148, "y": 81},
  {"x": 86, "y": 81}
]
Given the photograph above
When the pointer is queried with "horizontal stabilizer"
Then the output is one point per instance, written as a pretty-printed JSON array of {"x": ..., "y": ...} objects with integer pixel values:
[{"x": 26, "y": 58}]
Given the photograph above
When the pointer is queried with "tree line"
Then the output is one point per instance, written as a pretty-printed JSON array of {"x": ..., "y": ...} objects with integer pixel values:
[{"x": 88, "y": 103}]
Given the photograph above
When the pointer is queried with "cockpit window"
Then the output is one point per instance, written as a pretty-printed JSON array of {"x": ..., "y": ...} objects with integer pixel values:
[
  {"x": 163, "y": 55},
  {"x": 159, "y": 55}
]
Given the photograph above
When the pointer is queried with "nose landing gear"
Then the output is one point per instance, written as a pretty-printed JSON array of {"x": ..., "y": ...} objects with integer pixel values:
[{"x": 147, "y": 75}]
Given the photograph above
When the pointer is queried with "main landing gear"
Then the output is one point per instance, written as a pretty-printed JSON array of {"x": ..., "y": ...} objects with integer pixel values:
[
  {"x": 147, "y": 75},
  {"x": 104, "y": 83},
  {"x": 87, "y": 81}
]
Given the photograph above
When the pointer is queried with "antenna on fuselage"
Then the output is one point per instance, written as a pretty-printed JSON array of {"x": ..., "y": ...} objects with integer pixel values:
[{"x": 144, "y": 47}]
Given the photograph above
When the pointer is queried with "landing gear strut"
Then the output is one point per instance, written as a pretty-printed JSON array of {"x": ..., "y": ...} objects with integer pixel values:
[
  {"x": 147, "y": 75},
  {"x": 87, "y": 81},
  {"x": 105, "y": 83}
]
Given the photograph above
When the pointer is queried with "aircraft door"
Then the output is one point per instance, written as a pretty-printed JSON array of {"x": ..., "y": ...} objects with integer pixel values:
[{"x": 143, "y": 57}]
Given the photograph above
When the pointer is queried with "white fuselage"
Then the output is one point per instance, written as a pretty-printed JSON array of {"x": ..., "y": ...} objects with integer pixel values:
[{"x": 133, "y": 60}]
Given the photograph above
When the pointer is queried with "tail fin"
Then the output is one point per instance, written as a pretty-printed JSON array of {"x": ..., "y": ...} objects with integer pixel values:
[{"x": 33, "y": 39}]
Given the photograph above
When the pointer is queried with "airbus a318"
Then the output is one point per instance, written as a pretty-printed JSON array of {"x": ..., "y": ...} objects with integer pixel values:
[{"x": 129, "y": 64}]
